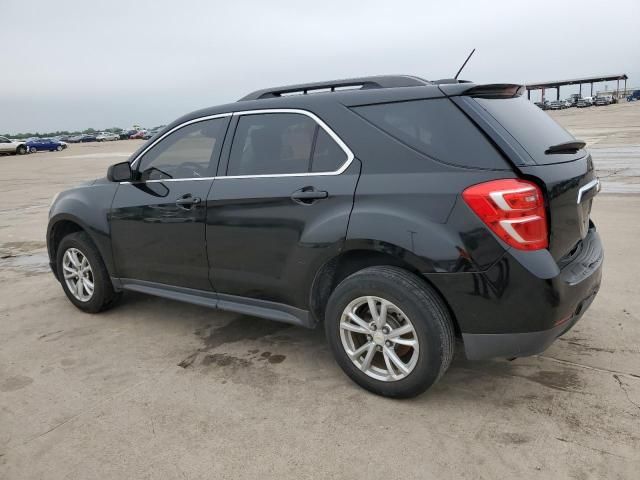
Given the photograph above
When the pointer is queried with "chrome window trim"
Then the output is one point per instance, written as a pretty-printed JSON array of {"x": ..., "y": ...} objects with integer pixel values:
[{"x": 311, "y": 115}]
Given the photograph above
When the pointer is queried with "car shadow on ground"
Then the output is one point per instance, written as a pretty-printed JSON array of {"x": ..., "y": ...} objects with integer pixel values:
[{"x": 236, "y": 341}]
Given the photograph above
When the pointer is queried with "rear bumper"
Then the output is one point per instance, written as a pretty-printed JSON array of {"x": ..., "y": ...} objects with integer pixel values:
[
  {"x": 478, "y": 346},
  {"x": 520, "y": 305}
]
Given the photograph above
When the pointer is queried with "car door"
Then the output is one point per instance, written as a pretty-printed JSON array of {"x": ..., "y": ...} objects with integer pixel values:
[
  {"x": 279, "y": 207},
  {"x": 157, "y": 220},
  {"x": 5, "y": 145}
]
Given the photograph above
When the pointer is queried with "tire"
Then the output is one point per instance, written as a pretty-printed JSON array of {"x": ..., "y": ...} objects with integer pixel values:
[
  {"x": 103, "y": 295},
  {"x": 33, "y": 150},
  {"x": 21, "y": 150},
  {"x": 59, "y": 148},
  {"x": 409, "y": 300}
]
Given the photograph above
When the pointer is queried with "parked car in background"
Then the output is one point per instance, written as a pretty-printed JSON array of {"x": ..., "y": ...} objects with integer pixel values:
[
  {"x": 107, "y": 137},
  {"x": 126, "y": 134},
  {"x": 88, "y": 137},
  {"x": 74, "y": 139},
  {"x": 12, "y": 147},
  {"x": 289, "y": 208},
  {"x": 602, "y": 100},
  {"x": 583, "y": 102},
  {"x": 558, "y": 105},
  {"x": 45, "y": 144},
  {"x": 635, "y": 95},
  {"x": 139, "y": 135},
  {"x": 573, "y": 99},
  {"x": 149, "y": 134}
]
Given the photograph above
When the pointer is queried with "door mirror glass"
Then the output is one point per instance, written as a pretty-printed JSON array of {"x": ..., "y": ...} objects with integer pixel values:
[{"x": 120, "y": 172}]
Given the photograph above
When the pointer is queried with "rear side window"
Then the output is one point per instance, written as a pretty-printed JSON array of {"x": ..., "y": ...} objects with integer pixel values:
[
  {"x": 532, "y": 128},
  {"x": 327, "y": 155},
  {"x": 282, "y": 143},
  {"x": 435, "y": 128}
]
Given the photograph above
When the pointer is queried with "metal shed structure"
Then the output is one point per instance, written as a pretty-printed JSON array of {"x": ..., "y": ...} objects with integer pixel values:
[{"x": 577, "y": 81}]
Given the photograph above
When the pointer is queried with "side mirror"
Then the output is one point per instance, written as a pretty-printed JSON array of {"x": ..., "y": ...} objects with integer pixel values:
[{"x": 120, "y": 172}]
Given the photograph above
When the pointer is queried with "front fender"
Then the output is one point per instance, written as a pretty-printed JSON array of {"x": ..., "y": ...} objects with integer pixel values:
[{"x": 89, "y": 207}]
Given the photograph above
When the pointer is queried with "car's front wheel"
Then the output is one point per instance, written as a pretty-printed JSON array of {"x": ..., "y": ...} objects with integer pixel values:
[
  {"x": 83, "y": 275},
  {"x": 59, "y": 148},
  {"x": 389, "y": 331},
  {"x": 21, "y": 150},
  {"x": 33, "y": 150}
]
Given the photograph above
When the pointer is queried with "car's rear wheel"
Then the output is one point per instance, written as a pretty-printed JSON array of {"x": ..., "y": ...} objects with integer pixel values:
[
  {"x": 389, "y": 331},
  {"x": 21, "y": 150},
  {"x": 59, "y": 148},
  {"x": 83, "y": 275},
  {"x": 33, "y": 149}
]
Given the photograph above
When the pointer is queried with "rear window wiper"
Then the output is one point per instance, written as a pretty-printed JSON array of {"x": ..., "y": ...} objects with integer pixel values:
[{"x": 566, "y": 147}]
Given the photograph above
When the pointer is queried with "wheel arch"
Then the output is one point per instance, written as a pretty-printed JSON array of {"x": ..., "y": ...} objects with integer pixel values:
[
  {"x": 358, "y": 256},
  {"x": 62, "y": 225}
]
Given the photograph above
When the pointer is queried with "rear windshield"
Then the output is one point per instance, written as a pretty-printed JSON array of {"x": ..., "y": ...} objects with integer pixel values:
[
  {"x": 436, "y": 128},
  {"x": 532, "y": 128}
]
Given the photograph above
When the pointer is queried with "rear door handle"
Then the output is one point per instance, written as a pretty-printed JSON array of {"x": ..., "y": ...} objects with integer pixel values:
[
  {"x": 308, "y": 195},
  {"x": 187, "y": 201}
]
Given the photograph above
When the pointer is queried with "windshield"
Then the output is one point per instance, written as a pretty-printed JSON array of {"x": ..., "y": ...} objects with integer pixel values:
[{"x": 531, "y": 127}]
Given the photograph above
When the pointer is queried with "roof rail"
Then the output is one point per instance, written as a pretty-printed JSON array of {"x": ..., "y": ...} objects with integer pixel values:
[{"x": 361, "y": 83}]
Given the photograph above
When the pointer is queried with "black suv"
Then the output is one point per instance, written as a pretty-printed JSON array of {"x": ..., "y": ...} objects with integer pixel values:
[{"x": 398, "y": 211}]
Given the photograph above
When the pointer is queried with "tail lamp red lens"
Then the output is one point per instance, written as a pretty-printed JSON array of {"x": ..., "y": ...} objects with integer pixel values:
[{"x": 513, "y": 209}]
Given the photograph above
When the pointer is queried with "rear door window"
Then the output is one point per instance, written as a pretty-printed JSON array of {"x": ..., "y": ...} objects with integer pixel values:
[
  {"x": 282, "y": 143},
  {"x": 531, "y": 127},
  {"x": 436, "y": 128}
]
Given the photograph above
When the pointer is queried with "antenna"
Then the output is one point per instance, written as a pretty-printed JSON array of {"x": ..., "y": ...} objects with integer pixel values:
[{"x": 465, "y": 62}]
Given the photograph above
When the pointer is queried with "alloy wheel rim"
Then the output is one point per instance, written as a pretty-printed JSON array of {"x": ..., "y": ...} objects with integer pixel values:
[
  {"x": 379, "y": 338},
  {"x": 78, "y": 274}
]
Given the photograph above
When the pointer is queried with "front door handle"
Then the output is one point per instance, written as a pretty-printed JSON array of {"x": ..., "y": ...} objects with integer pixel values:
[
  {"x": 308, "y": 195},
  {"x": 187, "y": 201}
]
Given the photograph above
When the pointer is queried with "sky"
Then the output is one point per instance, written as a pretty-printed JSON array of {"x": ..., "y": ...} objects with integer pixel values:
[{"x": 75, "y": 64}]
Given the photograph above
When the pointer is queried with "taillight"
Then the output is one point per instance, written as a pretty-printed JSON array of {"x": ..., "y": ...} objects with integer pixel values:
[{"x": 513, "y": 209}]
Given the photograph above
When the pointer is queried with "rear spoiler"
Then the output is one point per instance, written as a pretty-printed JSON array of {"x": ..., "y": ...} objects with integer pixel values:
[{"x": 492, "y": 90}]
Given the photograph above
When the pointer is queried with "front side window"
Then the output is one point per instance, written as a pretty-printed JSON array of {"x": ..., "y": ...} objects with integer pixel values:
[
  {"x": 186, "y": 153},
  {"x": 4, "y": 140},
  {"x": 282, "y": 143}
]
